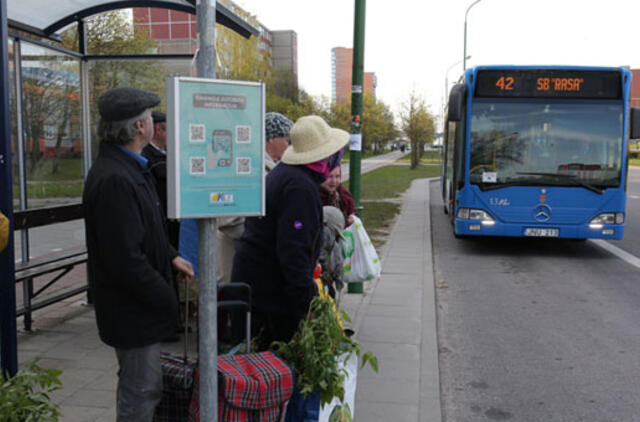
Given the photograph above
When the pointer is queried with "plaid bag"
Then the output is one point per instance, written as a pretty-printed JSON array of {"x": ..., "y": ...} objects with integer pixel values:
[
  {"x": 252, "y": 388},
  {"x": 177, "y": 388}
]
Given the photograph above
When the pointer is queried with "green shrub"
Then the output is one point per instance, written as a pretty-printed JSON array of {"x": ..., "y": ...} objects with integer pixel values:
[{"x": 26, "y": 396}]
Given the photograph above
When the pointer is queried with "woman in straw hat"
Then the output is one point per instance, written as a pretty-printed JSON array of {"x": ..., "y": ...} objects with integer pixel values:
[{"x": 277, "y": 253}]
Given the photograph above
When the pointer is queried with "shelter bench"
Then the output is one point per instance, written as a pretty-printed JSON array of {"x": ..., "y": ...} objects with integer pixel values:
[{"x": 62, "y": 262}]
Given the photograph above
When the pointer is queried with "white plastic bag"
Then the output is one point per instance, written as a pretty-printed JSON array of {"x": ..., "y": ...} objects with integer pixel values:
[
  {"x": 360, "y": 257},
  {"x": 351, "y": 366}
]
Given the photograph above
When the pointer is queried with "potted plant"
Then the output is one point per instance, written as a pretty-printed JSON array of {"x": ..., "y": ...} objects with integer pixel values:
[{"x": 26, "y": 396}]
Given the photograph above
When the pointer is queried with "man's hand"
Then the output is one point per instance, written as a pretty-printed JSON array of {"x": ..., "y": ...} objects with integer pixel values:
[{"x": 184, "y": 268}]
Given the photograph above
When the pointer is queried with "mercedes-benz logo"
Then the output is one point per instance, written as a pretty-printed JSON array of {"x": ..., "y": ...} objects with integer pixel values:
[{"x": 542, "y": 213}]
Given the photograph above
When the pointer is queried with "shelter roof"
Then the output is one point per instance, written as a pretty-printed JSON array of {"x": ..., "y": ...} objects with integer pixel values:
[{"x": 43, "y": 18}]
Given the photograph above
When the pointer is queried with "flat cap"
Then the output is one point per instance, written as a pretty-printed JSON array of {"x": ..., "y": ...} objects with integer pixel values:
[
  {"x": 125, "y": 102},
  {"x": 158, "y": 117}
]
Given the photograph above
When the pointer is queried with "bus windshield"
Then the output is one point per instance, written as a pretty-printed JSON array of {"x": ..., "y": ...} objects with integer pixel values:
[{"x": 557, "y": 142}]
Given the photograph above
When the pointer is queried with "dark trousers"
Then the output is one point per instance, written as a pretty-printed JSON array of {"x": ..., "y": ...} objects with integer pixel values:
[{"x": 267, "y": 327}]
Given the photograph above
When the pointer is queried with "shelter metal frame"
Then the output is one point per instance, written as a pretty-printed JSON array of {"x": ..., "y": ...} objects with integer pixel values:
[{"x": 8, "y": 336}]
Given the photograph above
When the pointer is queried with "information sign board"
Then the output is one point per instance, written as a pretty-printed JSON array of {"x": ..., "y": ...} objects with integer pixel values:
[{"x": 215, "y": 140}]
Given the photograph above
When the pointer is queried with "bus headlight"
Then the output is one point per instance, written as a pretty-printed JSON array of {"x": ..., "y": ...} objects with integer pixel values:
[
  {"x": 475, "y": 214},
  {"x": 607, "y": 218}
]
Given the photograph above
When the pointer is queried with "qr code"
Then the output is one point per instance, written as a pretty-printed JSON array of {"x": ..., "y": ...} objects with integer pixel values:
[
  {"x": 196, "y": 133},
  {"x": 243, "y": 134},
  {"x": 243, "y": 165},
  {"x": 196, "y": 165}
]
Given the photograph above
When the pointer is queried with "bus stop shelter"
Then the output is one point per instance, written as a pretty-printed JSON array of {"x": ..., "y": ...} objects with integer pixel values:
[{"x": 47, "y": 125}]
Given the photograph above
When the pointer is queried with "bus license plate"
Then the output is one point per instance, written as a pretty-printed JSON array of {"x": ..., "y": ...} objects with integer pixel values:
[{"x": 537, "y": 232}]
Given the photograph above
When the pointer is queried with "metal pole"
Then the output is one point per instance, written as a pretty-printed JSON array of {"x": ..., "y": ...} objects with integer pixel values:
[
  {"x": 86, "y": 117},
  {"x": 464, "y": 53},
  {"x": 208, "y": 300},
  {"x": 355, "y": 146},
  {"x": 8, "y": 331},
  {"x": 27, "y": 284}
]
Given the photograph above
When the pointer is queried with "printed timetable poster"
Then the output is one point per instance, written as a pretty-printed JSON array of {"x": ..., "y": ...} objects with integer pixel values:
[{"x": 215, "y": 138}]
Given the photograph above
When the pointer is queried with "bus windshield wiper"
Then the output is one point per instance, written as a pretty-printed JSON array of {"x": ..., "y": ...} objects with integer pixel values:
[
  {"x": 493, "y": 186},
  {"x": 569, "y": 177}
]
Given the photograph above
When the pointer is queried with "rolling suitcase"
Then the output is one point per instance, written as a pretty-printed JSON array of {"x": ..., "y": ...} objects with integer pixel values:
[
  {"x": 178, "y": 372},
  {"x": 177, "y": 380}
]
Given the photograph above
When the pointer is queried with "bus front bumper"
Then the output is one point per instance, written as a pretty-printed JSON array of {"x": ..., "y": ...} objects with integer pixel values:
[{"x": 565, "y": 231}]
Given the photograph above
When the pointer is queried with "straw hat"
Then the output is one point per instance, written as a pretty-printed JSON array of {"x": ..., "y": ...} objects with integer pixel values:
[{"x": 312, "y": 139}]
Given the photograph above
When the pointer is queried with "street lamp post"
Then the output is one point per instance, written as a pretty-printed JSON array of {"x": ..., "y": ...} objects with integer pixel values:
[{"x": 464, "y": 55}]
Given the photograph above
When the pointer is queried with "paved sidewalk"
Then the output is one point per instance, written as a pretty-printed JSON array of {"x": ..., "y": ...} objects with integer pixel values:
[{"x": 395, "y": 319}]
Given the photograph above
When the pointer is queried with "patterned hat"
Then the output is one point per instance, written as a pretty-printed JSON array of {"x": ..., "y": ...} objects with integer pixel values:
[{"x": 276, "y": 125}]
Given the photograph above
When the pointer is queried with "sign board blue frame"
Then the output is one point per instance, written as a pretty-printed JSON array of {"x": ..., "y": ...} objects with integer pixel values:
[{"x": 215, "y": 141}]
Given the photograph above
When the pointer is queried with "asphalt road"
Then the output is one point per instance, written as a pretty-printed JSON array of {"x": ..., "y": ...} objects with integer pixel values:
[{"x": 534, "y": 330}]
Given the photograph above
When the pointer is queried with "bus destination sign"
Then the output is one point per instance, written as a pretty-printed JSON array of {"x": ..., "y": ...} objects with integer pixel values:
[{"x": 551, "y": 83}]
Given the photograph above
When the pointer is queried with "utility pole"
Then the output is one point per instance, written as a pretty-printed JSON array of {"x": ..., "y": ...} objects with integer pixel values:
[
  {"x": 8, "y": 341},
  {"x": 207, "y": 247},
  {"x": 355, "y": 146}
]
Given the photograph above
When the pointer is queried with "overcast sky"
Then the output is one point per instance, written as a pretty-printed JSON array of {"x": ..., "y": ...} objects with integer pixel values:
[{"x": 411, "y": 43}]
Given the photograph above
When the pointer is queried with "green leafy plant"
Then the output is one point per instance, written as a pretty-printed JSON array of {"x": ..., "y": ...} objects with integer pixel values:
[
  {"x": 318, "y": 347},
  {"x": 26, "y": 396}
]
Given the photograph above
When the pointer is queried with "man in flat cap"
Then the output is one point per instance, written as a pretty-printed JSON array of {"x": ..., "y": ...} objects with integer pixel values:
[
  {"x": 130, "y": 258},
  {"x": 156, "y": 153}
]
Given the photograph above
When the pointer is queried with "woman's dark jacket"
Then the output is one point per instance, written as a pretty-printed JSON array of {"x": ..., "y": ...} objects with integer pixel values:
[
  {"x": 129, "y": 253},
  {"x": 277, "y": 253}
]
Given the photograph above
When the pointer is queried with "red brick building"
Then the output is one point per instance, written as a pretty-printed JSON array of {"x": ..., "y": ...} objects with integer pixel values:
[{"x": 341, "y": 68}]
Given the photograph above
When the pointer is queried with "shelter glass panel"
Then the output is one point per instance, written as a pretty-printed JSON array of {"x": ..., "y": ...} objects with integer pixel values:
[
  {"x": 52, "y": 125},
  {"x": 148, "y": 74}
]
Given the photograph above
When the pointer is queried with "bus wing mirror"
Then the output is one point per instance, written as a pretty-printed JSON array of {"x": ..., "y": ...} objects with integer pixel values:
[
  {"x": 635, "y": 123},
  {"x": 456, "y": 103}
]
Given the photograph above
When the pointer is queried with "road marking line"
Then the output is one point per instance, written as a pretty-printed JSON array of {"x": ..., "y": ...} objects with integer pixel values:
[
  {"x": 634, "y": 196},
  {"x": 624, "y": 255}
]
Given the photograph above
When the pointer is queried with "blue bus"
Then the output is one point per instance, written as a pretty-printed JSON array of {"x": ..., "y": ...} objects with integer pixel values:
[{"x": 538, "y": 151}]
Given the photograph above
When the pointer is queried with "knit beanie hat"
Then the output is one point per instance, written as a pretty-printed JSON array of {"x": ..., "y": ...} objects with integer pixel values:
[{"x": 276, "y": 125}]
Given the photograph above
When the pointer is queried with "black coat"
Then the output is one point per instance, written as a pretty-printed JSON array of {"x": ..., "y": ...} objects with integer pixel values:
[
  {"x": 129, "y": 254},
  {"x": 158, "y": 168},
  {"x": 277, "y": 253}
]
